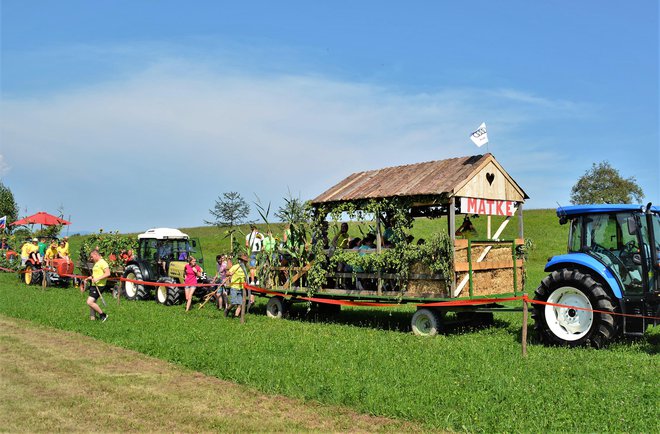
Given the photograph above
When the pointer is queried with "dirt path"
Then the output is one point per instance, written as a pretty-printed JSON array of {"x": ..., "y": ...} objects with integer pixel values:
[{"x": 52, "y": 380}]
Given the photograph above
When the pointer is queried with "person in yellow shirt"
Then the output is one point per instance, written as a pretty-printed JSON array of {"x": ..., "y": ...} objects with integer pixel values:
[
  {"x": 236, "y": 275},
  {"x": 29, "y": 249},
  {"x": 63, "y": 251},
  {"x": 98, "y": 279},
  {"x": 66, "y": 245},
  {"x": 50, "y": 254}
]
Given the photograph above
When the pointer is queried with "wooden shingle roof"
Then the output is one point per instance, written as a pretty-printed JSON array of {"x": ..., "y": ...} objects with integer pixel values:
[{"x": 431, "y": 178}]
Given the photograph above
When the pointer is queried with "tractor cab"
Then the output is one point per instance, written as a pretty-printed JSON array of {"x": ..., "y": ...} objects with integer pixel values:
[{"x": 165, "y": 252}]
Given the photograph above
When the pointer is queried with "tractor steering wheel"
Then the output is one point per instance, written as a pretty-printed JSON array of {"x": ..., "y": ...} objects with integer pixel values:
[{"x": 614, "y": 259}]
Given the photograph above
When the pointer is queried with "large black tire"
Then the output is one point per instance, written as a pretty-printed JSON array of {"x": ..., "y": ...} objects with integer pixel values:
[
  {"x": 573, "y": 327},
  {"x": 134, "y": 291},
  {"x": 426, "y": 322},
  {"x": 33, "y": 275},
  {"x": 276, "y": 307},
  {"x": 166, "y": 293}
]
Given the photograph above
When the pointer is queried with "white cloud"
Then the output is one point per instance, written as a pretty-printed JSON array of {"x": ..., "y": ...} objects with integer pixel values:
[
  {"x": 4, "y": 167},
  {"x": 159, "y": 147}
]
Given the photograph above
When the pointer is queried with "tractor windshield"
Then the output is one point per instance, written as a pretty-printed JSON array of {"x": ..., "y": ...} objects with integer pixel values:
[{"x": 152, "y": 249}]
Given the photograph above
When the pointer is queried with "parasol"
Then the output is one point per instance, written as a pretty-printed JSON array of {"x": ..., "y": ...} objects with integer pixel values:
[{"x": 41, "y": 218}]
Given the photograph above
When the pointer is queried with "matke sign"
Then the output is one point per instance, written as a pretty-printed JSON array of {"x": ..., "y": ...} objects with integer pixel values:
[{"x": 470, "y": 205}]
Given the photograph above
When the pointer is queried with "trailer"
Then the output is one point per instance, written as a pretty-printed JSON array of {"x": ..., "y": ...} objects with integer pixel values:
[{"x": 451, "y": 271}]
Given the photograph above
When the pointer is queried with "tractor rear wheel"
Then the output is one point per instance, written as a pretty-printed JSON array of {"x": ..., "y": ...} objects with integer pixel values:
[
  {"x": 166, "y": 293},
  {"x": 134, "y": 291},
  {"x": 426, "y": 322},
  {"x": 566, "y": 325}
]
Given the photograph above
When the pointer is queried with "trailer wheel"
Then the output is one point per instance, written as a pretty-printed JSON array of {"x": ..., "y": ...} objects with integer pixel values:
[
  {"x": 166, "y": 293},
  {"x": 426, "y": 322},
  {"x": 573, "y": 327},
  {"x": 134, "y": 291},
  {"x": 276, "y": 307}
]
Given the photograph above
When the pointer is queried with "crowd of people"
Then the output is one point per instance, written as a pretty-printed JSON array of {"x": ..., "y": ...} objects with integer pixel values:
[{"x": 40, "y": 251}]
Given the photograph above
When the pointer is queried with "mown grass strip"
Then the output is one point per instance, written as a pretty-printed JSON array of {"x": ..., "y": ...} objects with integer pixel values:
[
  {"x": 55, "y": 381},
  {"x": 474, "y": 381}
]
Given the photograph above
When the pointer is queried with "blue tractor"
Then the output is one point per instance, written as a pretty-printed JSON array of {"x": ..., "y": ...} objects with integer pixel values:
[{"x": 611, "y": 267}]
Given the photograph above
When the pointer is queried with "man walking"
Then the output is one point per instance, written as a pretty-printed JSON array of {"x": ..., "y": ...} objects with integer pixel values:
[{"x": 98, "y": 279}]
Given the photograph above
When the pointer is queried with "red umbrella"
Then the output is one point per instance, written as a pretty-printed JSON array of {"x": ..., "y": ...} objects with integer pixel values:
[{"x": 41, "y": 218}]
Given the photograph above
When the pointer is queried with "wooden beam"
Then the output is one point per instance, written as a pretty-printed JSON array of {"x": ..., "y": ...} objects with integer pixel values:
[
  {"x": 297, "y": 276},
  {"x": 492, "y": 265}
]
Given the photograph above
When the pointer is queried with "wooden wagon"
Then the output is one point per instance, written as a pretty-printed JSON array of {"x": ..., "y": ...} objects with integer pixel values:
[{"x": 480, "y": 269}]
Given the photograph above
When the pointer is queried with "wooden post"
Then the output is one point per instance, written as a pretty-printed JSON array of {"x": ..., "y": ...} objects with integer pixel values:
[
  {"x": 451, "y": 222},
  {"x": 520, "y": 221},
  {"x": 451, "y": 219},
  {"x": 243, "y": 306},
  {"x": 488, "y": 232},
  {"x": 524, "y": 327},
  {"x": 379, "y": 249}
]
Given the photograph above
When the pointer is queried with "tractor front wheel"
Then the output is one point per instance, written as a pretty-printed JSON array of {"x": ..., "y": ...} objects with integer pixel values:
[
  {"x": 132, "y": 290},
  {"x": 166, "y": 293},
  {"x": 575, "y": 323}
]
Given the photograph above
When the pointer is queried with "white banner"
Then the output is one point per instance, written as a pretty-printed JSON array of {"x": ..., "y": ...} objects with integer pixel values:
[
  {"x": 471, "y": 205},
  {"x": 480, "y": 137}
]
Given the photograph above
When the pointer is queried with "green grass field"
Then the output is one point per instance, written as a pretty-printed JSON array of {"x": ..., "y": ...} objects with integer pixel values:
[{"x": 463, "y": 379}]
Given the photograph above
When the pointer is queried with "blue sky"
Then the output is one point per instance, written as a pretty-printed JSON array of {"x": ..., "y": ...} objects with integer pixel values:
[{"x": 138, "y": 114}]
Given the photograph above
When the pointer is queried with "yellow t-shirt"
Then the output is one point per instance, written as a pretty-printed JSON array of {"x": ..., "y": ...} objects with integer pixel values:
[
  {"x": 27, "y": 249},
  {"x": 237, "y": 276},
  {"x": 62, "y": 251},
  {"x": 51, "y": 253},
  {"x": 97, "y": 271},
  {"x": 66, "y": 248}
]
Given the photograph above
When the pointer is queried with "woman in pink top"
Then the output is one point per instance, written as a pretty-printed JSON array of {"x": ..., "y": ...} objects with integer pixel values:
[{"x": 191, "y": 272}]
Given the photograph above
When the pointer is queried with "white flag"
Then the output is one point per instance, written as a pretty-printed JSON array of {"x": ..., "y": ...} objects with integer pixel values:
[{"x": 480, "y": 137}]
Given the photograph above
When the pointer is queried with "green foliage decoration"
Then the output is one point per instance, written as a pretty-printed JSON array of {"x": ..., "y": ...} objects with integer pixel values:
[
  {"x": 109, "y": 244},
  {"x": 436, "y": 253}
]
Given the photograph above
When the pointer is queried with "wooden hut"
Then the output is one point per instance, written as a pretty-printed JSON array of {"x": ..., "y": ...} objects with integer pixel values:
[{"x": 472, "y": 185}]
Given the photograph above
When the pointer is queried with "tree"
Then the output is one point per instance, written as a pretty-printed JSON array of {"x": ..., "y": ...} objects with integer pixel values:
[
  {"x": 603, "y": 184},
  {"x": 293, "y": 211},
  {"x": 8, "y": 206},
  {"x": 230, "y": 209}
]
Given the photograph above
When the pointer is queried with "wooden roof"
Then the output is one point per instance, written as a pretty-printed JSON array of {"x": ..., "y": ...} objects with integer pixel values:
[{"x": 432, "y": 178}]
